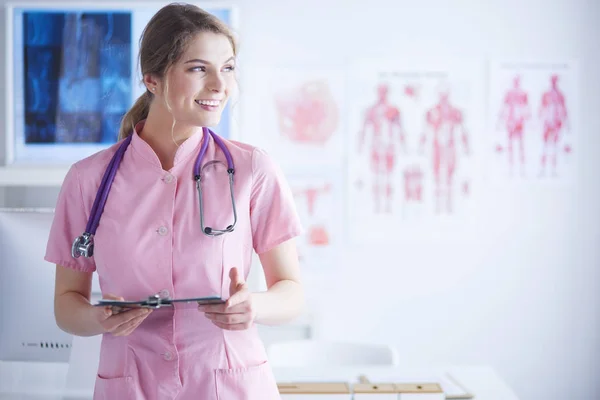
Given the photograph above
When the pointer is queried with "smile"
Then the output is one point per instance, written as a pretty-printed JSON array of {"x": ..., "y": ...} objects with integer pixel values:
[{"x": 212, "y": 103}]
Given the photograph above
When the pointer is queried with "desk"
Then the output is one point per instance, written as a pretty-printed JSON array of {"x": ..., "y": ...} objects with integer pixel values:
[{"x": 480, "y": 380}]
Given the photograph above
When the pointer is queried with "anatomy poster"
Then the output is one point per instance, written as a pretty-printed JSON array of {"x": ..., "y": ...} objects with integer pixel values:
[
  {"x": 318, "y": 203},
  {"x": 298, "y": 114},
  {"x": 413, "y": 138},
  {"x": 531, "y": 121}
]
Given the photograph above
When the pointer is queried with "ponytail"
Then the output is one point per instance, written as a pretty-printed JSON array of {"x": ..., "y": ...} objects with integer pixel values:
[{"x": 138, "y": 112}]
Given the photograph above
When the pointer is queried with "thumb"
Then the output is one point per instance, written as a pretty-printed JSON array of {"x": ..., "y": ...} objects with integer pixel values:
[
  {"x": 237, "y": 281},
  {"x": 109, "y": 296},
  {"x": 105, "y": 312}
]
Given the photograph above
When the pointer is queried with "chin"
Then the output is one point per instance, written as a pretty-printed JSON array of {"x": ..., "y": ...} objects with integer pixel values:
[
  {"x": 208, "y": 119},
  {"x": 203, "y": 122},
  {"x": 210, "y": 122}
]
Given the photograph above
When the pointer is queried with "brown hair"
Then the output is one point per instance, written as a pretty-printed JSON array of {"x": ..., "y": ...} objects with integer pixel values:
[{"x": 162, "y": 44}]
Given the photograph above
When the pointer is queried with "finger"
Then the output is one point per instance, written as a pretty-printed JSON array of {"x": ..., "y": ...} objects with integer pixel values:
[
  {"x": 236, "y": 281},
  {"x": 106, "y": 312},
  {"x": 234, "y": 327},
  {"x": 127, "y": 328},
  {"x": 131, "y": 325},
  {"x": 119, "y": 309},
  {"x": 238, "y": 308},
  {"x": 225, "y": 308},
  {"x": 125, "y": 317},
  {"x": 126, "y": 332},
  {"x": 102, "y": 313},
  {"x": 110, "y": 296},
  {"x": 238, "y": 297},
  {"x": 235, "y": 276},
  {"x": 217, "y": 308},
  {"x": 130, "y": 330},
  {"x": 228, "y": 319}
]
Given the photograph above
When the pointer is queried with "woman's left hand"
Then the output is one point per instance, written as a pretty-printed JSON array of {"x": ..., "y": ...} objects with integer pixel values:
[{"x": 237, "y": 313}]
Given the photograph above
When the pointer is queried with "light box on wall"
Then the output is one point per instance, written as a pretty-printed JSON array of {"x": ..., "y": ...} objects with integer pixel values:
[{"x": 72, "y": 74}]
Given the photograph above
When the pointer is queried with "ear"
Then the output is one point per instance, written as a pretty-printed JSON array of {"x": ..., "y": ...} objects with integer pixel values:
[{"x": 152, "y": 83}]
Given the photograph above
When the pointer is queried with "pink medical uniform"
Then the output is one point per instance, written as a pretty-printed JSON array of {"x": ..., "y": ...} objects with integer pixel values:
[{"x": 149, "y": 241}]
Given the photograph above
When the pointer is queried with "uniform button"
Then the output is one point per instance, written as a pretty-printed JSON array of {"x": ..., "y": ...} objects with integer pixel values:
[
  {"x": 168, "y": 356},
  {"x": 168, "y": 178},
  {"x": 164, "y": 294},
  {"x": 162, "y": 231}
]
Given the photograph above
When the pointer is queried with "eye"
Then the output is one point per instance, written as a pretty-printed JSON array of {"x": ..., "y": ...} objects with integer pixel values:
[
  {"x": 197, "y": 69},
  {"x": 229, "y": 68}
]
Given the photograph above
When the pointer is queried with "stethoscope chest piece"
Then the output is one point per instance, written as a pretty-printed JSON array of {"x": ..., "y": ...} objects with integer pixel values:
[{"x": 83, "y": 246}]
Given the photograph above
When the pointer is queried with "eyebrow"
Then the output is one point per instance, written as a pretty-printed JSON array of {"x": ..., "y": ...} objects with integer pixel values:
[{"x": 197, "y": 60}]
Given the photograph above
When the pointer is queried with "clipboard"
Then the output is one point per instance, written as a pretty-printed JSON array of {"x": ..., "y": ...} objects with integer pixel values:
[{"x": 156, "y": 302}]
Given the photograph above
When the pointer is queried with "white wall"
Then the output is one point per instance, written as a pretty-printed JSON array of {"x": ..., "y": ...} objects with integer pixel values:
[{"x": 526, "y": 300}]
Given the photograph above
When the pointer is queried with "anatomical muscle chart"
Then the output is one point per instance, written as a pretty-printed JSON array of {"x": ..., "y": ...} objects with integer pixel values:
[
  {"x": 299, "y": 115},
  {"x": 412, "y": 135},
  {"x": 531, "y": 121}
]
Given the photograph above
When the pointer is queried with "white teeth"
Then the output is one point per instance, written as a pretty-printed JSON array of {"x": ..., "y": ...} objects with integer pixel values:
[{"x": 208, "y": 102}]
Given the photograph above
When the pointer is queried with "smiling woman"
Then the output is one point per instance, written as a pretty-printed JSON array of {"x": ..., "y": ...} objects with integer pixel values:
[
  {"x": 182, "y": 68},
  {"x": 158, "y": 187},
  {"x": 194, "y": 90}
]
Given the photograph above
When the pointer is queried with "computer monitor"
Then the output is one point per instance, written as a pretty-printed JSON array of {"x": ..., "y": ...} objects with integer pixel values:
[{"x": 28, "y": 330}]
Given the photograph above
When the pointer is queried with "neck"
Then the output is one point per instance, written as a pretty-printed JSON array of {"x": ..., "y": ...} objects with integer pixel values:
[{"x": 163, "y": 137}]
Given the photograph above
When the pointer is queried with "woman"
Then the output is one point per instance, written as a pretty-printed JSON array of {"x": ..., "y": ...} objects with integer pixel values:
[{"x": 150, "y": 239}]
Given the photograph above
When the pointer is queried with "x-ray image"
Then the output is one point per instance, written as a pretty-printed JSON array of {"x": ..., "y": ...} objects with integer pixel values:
[
  {"x": 77, "y": 75},
  {"x": 74, "y": 75}
]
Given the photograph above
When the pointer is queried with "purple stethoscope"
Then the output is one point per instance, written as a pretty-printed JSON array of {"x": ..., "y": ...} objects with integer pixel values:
[{"x": 84, "y": 244}]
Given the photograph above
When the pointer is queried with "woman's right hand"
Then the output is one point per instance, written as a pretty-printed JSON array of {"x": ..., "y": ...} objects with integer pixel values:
[{"x": 121, "y": 323}]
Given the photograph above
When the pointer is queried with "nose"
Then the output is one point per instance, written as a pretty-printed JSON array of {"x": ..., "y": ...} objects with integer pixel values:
[{"x": 216, "y": 83}]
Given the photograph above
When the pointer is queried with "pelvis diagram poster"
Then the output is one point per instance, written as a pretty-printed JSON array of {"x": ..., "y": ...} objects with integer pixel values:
[
  {"x": 412, "y": 145},
  {"x": 318, "y": 202},
  {"x": 532, "y": 121}
]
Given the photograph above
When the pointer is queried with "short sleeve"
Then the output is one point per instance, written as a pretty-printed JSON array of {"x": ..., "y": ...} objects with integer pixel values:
[
  {"x": 69, "y": 222},
  {"x": 273, "y": 213}
]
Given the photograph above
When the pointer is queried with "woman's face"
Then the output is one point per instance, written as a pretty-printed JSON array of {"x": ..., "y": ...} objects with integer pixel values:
[{"x": 198, "y": 86}]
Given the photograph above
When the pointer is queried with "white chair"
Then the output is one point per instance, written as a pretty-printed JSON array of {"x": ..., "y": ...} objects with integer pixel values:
[{"x": 309, "y": 352}]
